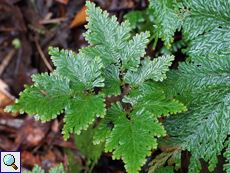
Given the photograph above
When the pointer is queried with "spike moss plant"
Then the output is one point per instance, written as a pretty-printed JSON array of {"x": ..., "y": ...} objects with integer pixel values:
[
  {"x": 111, "y": 61},
  {"x": 201, "y": 83},
  {"x": 114, "y": 63}
]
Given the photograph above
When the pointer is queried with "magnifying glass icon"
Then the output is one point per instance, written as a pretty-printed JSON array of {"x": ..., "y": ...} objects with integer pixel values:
[{"x": 9, "y": 160}]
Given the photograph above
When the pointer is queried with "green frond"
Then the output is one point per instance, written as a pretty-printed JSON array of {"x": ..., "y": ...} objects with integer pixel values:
[
  {"x": 227, "y": 156},
  {"x": 46, "y": 98},
  {"x": 84, "y": 72},
  {"x": 202, "y": 130},
  {"x": 104, "y": 32},
  {"x": 133, "y": 51},
  {"x": 215, "y": 41},
  {"x": 111, "y": 40},
  {"x": 198, "y": 76},
  {"x": 154, "y": 70},
  {"x": 59, "y": 168},
  {"x": 167, "y": 20},
  {"x": 133, "y": 138},
  {"x": 81, "y": 112},
  {"x": 106, "y": 124},
  {"x": 112, "y": 81},
  {"x": 204, "y": 16},
  {"x": 203, "y": 87},
  {"x": 152, "y": 98},
  {"x": 207, "y": 25}
]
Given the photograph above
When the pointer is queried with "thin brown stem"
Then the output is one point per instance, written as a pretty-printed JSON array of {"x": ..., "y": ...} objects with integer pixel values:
[{"x": 43, "y": 56}]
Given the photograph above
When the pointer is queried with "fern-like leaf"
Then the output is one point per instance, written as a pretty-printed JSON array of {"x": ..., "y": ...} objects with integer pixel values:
[
  {"x": 133, "y": 51},
  {"x": 67, "y": 90},
  {"x": 204, "y": 127},
  {"x": 112, "y": 81},
  {"x": 57, "y": 169},
  {"x": 215, "y": 41},
  {"x": 133, "y": 138},
  {"x": 85, "y": 72},
  {"x": 202, "y": 130},
  {"x": 82, "y": 111},
  {"x": 210, "y": 20},
  {"x": 199, "y": 78},
  {"x": 167, "y": 20},
  {"x": 205, "y": 15},
  {"x": 47, "y": 97},
  {"x": 111, "y": 40},
  {"x": 152, "y": 98},
  {"x": 154, "y": 70}
]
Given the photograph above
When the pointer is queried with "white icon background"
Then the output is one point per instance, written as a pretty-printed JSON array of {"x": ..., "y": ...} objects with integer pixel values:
[{"x": 17, "y": 157}]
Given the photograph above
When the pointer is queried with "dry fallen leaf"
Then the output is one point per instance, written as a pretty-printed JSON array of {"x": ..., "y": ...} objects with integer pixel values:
[
  {"x": 31, "y": 133},
  {"x": 6, "y": 99},
  {"x": 63, "y": 1},
  {"x": 80, "y": 18},
  {"x": 28, "y": 159}
]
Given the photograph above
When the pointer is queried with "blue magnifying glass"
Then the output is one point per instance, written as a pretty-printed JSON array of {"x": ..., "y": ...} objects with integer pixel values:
[{"x": 9, "y": 161}]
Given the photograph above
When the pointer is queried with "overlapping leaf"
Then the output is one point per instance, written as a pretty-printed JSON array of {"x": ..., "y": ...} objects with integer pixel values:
[
  {"x": 112, "y": 81},
  {"x": 131, "y": 138},
  {"x": 84, "y": 72},
  {"x": 82, "y": 112},
  {"x": 111, "y": 40},
  {"x": 216, "y": 41},
  {"x": 154, "y": 70},
  {"x": 210, "y": 20},
  {"x": 199, "y": 76},
  {"x": 202, "y": 130},
  {"x": 104, "y": 128},
  {"x": 205, "y": 15},
  {"x": 167, "y": 20},
  {"x": 47, "y": 97},
  {"x": 202, "y": 85},
  {"x": 152, "y": 98},
  {"x": 66, "y": 89}
]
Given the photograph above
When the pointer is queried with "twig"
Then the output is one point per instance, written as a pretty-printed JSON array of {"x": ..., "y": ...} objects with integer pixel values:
[
  {"x": 6, "y": 60},
  {"x": 43, "y": 57},
  {"x": 57, "y": 20}
]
